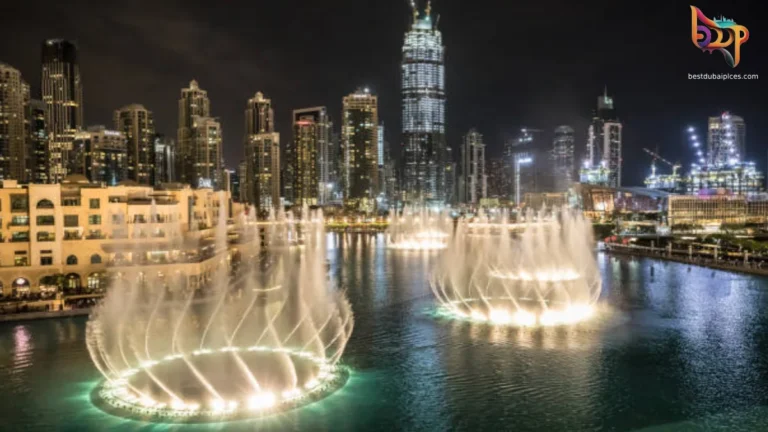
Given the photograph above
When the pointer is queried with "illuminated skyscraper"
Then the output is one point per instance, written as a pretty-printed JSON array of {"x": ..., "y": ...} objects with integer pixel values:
[
  {"x": 165, "y": 159},
  {"x": 359, "y": 146},
  {"x": 63, "y": 95},
  {"x": 563, "y": 158},
  {"x": 473, "y": 183},
  {"x": 138, "y": 126},
  {"x": 526, "y": 165},
  {"x": 13, "y": 91},
  {"x": 423, "y": 92},
  {"x": 603, "y": 163},
  {"x": 260, "y": 186},
  {"x": 198, "y": 139},
  {"x": 206, "y": 153},
  {"x": 100, "y": 155},
  {"x": 726, "y": 140},
  {"x": 310, "y": 159},
  {"x": 36, "y": 140}
]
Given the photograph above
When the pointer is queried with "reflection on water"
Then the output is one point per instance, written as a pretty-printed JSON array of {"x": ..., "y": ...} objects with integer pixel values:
[{"x": 673, "y": 348}]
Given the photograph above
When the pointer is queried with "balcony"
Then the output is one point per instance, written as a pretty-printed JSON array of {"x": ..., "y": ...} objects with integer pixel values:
[{"x": 72, "y": 235}]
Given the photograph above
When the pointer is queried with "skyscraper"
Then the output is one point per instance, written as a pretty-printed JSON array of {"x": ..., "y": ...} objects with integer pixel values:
[
  {"x": 604, "y": 160},
  {"x": 100, "y": 155},
  {"x": 12, "y": 149},
  {"x": 726, "y": 140},
  {"x": 63, "y": 95},
  {"x": 423, "y": 93},
  {"x": 206, "y": 153},
  {"x": 36, "y": 140},
  {"x": 261, "y": 184},
  {"x": 194, "y": 103},
  {"x": 359, "y": 142},
  {"x": 310, "y": 158},
  {"x": 563, "y": 158},
  {"x": 526, "y": 164},
  {"x": 138, "y": 126},
  {"x": 380, "y": 159},
  {"x": 165, "y": 159},
  {"x": 473, "y": 183}
]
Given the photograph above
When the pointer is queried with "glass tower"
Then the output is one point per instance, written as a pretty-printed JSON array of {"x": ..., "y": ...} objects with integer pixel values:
[{"x": 423, "y": 92}]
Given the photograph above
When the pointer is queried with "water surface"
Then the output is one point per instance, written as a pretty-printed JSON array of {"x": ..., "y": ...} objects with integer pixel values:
[{"x": 677, "y": 350}]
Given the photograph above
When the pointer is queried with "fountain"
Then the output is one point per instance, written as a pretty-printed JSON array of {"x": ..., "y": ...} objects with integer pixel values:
[
  {"x": 260, "y": 341},
  {"x": 545, "y": 275},
  {"x": 419, "y": 230}
]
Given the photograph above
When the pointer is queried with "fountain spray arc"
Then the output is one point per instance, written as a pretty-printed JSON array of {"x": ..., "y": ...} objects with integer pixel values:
[
  {"x": 545, "y": 275},
  {"x": 419, "y": 229},
  {"x": 261, "y": 340}
]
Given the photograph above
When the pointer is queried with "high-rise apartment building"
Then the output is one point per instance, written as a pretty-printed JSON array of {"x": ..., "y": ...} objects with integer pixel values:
[
  {"x": 165, "y": 159},
  {"x": 496, "y": 185},
  {"x": 473, "y": 182},
  {"x": 310, "y": 163},
  {"x": 423, "y": 116},
  {"x": 13, "y": 152},
  {"x": 526, "y": 165},
  {"x": 359, "y": 146},
  {"x": 138, "y": 126},
  {"x": 62, "y": 92},
  {"x": 603, "y": 163},
  {"x": 36, "y": 140},
  {"x": 726, "y": 140},
  {"x": 100, "y": 155},
  {"x": 242, "y": 173},
  {"x": 197, "y": 138},
  {"x": 206, "y": 153},
  {"x": 563, "y": 162},
  {"x": 261, "y": 184}
]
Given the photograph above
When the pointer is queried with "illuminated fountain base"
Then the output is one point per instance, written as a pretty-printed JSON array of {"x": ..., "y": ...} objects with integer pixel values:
[
  {"x": 527, "y": 299},
  {"x": 527, "y": 313},
  {"x": 285, "y": 379}
]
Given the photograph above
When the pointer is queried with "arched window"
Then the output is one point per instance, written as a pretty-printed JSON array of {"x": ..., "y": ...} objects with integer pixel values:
[
  {"x": 95, "y": 259},
  {"x": 71, "y": 260},
  {"x": 45, "y": 204}
]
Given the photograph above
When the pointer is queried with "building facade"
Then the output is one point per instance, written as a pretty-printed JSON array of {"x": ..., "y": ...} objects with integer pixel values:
[
  {"x": 726, "y": 141},
  {"x": 310, "y": 157},
  {"x": 563, "y": 160},
  {"x": 85, "y": 233},
  {"x": 13, "y": 151},
  {"x": 99, "y": 155},
  {"x": 138, "y": 126},
  {"x": 474, "y": 186},
  {"x": 423, "y": 115},
  {"x": 62, "y": 92},
  {"x": 261, "y": 184},
  {"x": 359, "y": 142},
  {"x": 604, "y": 146}
]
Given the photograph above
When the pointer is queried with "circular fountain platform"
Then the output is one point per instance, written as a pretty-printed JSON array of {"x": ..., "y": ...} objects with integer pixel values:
[{"x": 226, "y": 384}]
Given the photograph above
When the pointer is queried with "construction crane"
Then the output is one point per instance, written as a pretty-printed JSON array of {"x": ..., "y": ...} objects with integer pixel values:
[{"x": 656, "y": 156}]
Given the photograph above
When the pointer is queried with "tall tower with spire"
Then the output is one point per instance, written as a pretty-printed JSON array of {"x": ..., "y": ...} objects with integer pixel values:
[{"x": 423, "y": 95}]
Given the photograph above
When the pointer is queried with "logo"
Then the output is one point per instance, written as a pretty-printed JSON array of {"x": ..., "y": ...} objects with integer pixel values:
[{"x": 708, "y": 34}]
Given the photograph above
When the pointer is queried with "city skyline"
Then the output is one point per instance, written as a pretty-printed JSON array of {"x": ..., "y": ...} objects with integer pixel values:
[{"x": 477, "y": 95}]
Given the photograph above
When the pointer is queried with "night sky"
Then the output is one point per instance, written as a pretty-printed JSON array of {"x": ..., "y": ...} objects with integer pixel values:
[{"x": 508, "y": 64}]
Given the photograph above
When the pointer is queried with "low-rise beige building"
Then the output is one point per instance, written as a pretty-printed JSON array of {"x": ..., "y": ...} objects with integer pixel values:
[{"x": 84, "y": 234}]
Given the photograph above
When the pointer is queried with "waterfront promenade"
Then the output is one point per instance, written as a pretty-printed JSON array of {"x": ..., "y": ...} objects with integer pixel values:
[{"x": 745, "y": 264}]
